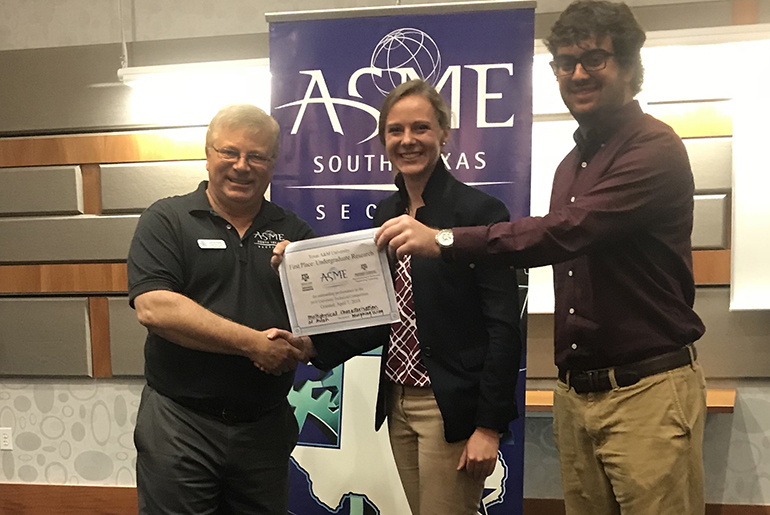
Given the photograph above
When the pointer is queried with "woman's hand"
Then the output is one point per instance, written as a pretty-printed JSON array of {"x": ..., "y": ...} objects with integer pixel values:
[{"x": 480, "y": 454}]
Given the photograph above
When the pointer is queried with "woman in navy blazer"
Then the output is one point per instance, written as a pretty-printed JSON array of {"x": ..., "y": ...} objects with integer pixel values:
[{"x": 444, "y": 429}]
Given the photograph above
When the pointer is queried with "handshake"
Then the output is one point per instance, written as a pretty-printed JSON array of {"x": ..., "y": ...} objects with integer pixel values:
[{"x": 280, "y": 351}]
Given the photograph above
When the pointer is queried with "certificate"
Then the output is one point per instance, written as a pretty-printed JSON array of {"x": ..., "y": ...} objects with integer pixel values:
[{"x": 336, "y": 283}]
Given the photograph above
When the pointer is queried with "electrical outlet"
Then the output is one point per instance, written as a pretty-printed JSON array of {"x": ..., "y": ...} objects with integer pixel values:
[{"x": 6, "y": 439}]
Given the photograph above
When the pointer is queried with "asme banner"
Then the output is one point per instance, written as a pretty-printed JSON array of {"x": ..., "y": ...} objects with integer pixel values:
[{"x": 329, "y": 79}]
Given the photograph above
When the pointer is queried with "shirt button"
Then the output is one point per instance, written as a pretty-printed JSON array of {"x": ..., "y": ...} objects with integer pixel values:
[
  {"x": 426, "y": 350},
  {"x": 229, "y": 226},
  {"x": 572, "y": 199},
  {"x": 241, "y": 245},
  {"x": 583, "y": 164},
  {"x": 574, "y": 346},
  {"x": 472, "y": 266},
  {"x": 569, "y": 273},
  {"x": 571, "y": 311}
]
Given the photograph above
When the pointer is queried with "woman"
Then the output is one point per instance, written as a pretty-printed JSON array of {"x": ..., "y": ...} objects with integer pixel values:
[{"x": 448, "y": 378}]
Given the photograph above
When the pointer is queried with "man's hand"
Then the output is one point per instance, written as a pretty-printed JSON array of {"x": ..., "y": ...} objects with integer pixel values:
[
  {"x": 480, "y": 454},
  {"x": 278, "y": 251},
  {"x": 405, "y": 235},
  {"x": 274, "y": 356},
  {"x": 302, "y": 343}
]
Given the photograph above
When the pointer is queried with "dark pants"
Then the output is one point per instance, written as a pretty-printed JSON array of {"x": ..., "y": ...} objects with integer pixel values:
[{"x": 189, "y": 463}]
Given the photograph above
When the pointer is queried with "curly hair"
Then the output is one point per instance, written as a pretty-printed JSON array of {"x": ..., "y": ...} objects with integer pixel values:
[{"x": 586, "y": 19}]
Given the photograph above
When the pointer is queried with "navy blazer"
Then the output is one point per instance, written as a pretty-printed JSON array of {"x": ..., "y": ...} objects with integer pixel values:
[{"x": 467, "y": 317}]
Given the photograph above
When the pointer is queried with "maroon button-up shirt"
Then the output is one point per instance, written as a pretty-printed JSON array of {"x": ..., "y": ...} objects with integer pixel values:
[{"x": 618, "y": 235}]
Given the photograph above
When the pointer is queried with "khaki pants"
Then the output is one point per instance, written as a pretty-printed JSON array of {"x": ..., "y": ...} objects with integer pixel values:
[
  {"x": 426, "y": 463},
  {"x": 636, "y": 450}
]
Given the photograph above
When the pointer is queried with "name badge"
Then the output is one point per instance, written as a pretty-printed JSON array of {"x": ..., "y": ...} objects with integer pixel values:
[{"x": 212, "y": 244}]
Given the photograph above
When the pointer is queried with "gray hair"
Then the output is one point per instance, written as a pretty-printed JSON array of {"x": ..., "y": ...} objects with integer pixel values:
[{"x": 244, "y": 116}]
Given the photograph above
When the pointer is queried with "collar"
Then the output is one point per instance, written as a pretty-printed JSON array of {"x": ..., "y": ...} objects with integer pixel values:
[
  {"x": 199, "y": 202},
  {"x": 589, "y": 140},
  {"x": 433, "y": 188}
]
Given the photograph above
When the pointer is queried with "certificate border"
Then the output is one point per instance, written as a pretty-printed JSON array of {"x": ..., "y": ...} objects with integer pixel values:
[{"x": 336, "y": 239}]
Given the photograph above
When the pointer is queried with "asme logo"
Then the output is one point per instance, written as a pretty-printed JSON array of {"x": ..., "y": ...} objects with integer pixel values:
[
  {"x": 333, "y": 275},
  {"x": 402, "y": 55},
  {"x": 267, "y": 239}
]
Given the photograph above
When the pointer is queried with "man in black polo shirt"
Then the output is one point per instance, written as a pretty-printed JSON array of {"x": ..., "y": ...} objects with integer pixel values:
[
  {"x": 214, "y": 430},
  {"x": 629, "y": 406}
]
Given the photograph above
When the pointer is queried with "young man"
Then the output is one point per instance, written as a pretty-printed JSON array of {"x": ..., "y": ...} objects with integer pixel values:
[
  {"x": 214, "y": 430},
  {"x": 629, "y": 406}
]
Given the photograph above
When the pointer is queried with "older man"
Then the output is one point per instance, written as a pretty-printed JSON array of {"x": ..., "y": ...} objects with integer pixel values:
[
  {"x": 214, "y": 430},
  {"x": 629, "y": 406}
]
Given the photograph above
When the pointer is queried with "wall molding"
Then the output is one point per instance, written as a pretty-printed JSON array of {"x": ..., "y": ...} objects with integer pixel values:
[
  {"x": 717, "y": 401},
  {"x": 107, "y": 500},
  {"x": 556, "y": 507},
  {"x": 18, "y": 499}
]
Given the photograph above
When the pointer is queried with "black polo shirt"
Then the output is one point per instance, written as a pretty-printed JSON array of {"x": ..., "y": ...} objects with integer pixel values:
[{"x": 182, "y": 245}]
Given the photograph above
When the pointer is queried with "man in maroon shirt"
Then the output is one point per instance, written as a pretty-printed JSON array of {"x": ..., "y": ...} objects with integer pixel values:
[{"x": 629, "y": 405}]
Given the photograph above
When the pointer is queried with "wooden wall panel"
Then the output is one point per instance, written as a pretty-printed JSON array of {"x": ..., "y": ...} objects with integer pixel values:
[
  {"x": 745, "y": 12},
  {"x": 92, "y": 189},
  {"x": 20, "y": 499},
  {"x": 64, "y": 278},
  {"x": 717, "y": 401},
  {"x": 556, "y": 507},
  {"x": 544, "y": 507},
  {"x": 129, "y": 147},
  {"x": 99, "y": 320},
  {"x": 711, "y": 267}
]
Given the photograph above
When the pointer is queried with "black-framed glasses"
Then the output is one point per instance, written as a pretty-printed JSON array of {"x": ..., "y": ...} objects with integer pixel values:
[
  {"x": 591, "y": 60},
  {"x": 232, "y": 155}
]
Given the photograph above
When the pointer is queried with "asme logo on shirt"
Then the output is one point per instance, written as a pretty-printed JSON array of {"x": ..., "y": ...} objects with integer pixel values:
[{"x": 267, "y": 239}]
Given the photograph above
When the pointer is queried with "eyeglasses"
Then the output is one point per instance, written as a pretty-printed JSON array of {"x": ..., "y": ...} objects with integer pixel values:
[
  {"x": 253, "y": 158},
  {"x": 592, "y": 61}
]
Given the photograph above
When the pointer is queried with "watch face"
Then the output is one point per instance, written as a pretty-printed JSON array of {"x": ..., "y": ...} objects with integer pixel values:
[{"x": 445, "y": 238}]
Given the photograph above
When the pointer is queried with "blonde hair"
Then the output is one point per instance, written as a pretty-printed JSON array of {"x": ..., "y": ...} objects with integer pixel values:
[{"x": 414, "y": 87}]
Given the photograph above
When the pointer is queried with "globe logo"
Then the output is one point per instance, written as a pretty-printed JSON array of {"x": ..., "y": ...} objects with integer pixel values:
[{"x": 403, "y": 53}]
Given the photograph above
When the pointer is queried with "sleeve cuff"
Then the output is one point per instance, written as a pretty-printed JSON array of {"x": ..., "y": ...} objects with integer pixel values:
[{"x": 469, "y": 242}]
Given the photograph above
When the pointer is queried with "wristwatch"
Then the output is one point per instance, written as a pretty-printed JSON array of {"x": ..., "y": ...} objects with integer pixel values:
[{"x": 445, "y": 239}]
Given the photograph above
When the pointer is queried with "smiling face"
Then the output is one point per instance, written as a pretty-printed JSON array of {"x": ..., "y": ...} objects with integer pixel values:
[
  {"x": 589, "y": 95},
  {"x": 237, "y": 187},
  {"x": 413, "y": 137}
]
